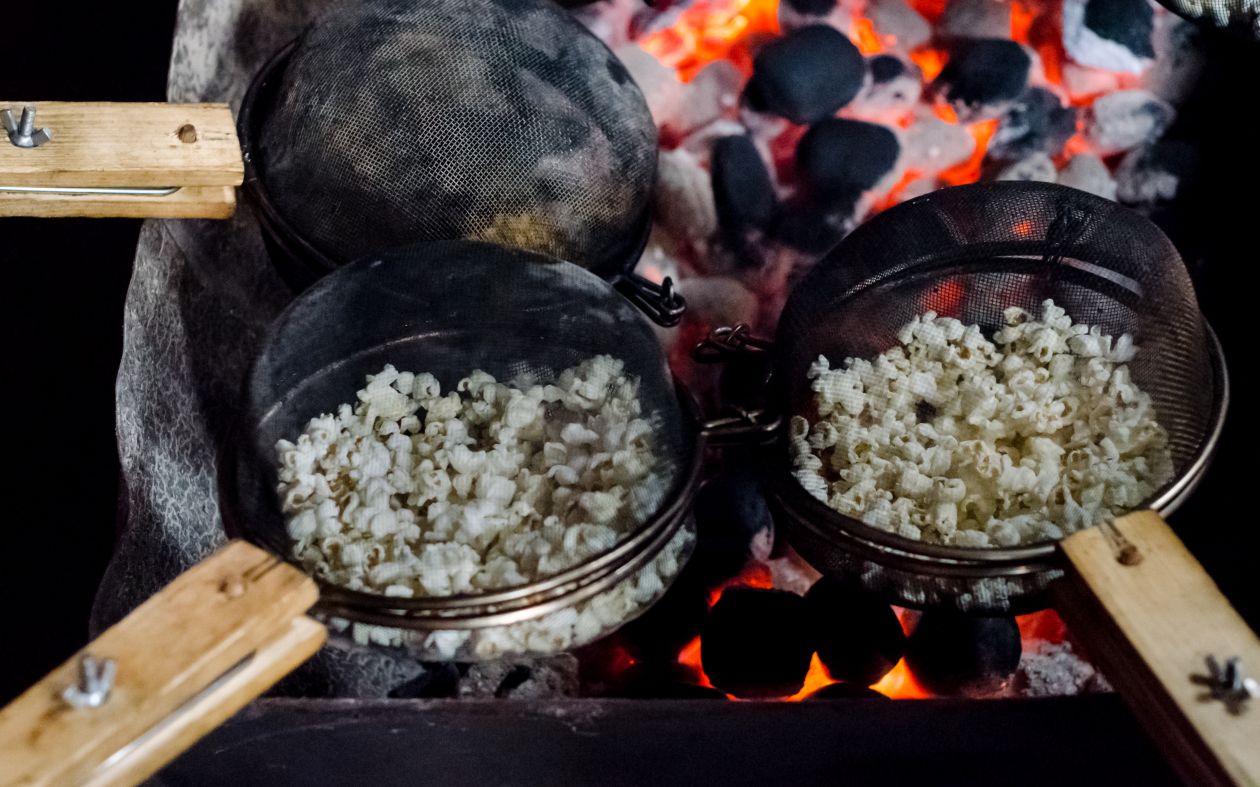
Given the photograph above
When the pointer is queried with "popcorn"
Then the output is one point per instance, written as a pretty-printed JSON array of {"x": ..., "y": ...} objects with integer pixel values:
[
  {"x": 413, "y": 493},
  {"x": 954, "y": 439}
]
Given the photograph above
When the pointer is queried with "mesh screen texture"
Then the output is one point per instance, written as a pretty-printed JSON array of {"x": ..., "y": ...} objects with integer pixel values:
[
  {"x": 971, "y": 252},
  {"x": 1241, "y": 16},
  {"x": 500, "y": 120},
  {"x": 446, "y": 308}
]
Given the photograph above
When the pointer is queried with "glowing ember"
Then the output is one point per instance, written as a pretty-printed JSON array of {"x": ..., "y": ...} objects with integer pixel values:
[
  {"x": 969, "y": 170},
  {"x": 866, "y": 39},
  {"x": 930, "y": 61},
  {"x": 710, "y": 30}
]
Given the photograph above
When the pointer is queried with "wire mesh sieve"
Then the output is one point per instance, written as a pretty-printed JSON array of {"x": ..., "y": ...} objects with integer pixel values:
[
  {"x": 393, "y": 122},
  {"x": 969, "y": 253},
  {"x": 448, "y": 308}
]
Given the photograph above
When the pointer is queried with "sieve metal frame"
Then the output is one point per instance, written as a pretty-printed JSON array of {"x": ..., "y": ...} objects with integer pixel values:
[{"x": 300, "y": 264}]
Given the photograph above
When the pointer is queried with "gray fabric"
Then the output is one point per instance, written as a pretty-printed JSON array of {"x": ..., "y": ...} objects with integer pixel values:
[{"x": 201, "y": 294}]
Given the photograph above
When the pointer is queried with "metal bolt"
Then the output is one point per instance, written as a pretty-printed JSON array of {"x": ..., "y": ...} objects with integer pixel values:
[
  {"x": 22, "y": 132},
  {"x": 1228, "y": 683},
  {"x": 96, "y": 681}
]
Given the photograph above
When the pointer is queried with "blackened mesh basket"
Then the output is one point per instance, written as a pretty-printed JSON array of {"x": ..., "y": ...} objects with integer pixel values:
[
  {"x": 390, "y": 122},
  {"x": 969, "y": 253},
  {"x": 449, "y": 308}
]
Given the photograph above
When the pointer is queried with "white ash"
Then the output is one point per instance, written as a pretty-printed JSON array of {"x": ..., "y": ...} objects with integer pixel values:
[
  {"x": 1083, "y": 82},
  {"x": 658, "y": 82},
  {"x": 954, "y": 439},
  {"x": 711, "y": 94},
  {"x": 699, "y": 143},
  {"x": 609, "y": 20},
  {"x": 887, "y": 102},
  {"x": 1037, "y": 167},
  {"x": 684, "y": 196},
  {"x": 1048, "y": 669},
  {"x": 975, "y": 19},
  {"x": 1127, "y": 118},
  {"x": 1141, "y": 179},
  {"x": 1179, "y": 58},
  {"x": 898, "y": 25},
  {"x": 1090, "y": 49},
  {"x": 494, "y": 486},
  {"x": 790, "y": 572},
  {"x": 931, "y": 145},
  {"x": 1088, "y": 173},
  {"x": 522, "y": 679},
  {"x": 720, "y": 300}
]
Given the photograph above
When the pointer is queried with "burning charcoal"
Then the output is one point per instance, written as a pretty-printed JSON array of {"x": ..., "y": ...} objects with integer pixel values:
[
  {"x": 975, "y": 19},
  {"x": 712, "y": 93},
  {"x": 1179, "y": 59},
  {"x": 1127, "y": 118},
  {"x": 797, "y": 14},
  {"x": 815, "y": 226},
  {"x": 894, "y": 88},
  {"x": 1035, "y": 123},
  {"x": 659, "y": 83},
  {"x": 949, "y": 652},
  {"x": 742, "y": 190},
  {"x": 982, "y": 76},
  {"x": 699, "y": 143},
  {"x": 845, "y": 691},
  {"x": 1155, "y": 174},
  {"x": 807, "y": 75},
  {"x": 684, "y": 196},
  {"x": 733, "y": 524},
  {"x": 1088, "y": 173},
  {"x": 1037, "y": 167},
  {"x": 931, "y": 145},
  {"x": 840, "y": 157},
  {"x": 858, "y": 636},
  {"x": 1110, "y": 34},
  {"x": 755, "y": 643},
  {"x": 897, "y": 21}
]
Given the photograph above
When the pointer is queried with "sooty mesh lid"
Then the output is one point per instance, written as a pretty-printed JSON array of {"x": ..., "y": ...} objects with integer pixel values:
[{"x": 503, "y": 120}]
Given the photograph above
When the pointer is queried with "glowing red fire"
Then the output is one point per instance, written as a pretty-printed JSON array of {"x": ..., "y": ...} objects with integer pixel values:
[{"x": 898, "y": 684}]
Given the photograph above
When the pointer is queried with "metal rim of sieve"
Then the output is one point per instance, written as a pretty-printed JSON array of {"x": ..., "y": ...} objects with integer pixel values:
[{"x": 299, "y": 261}]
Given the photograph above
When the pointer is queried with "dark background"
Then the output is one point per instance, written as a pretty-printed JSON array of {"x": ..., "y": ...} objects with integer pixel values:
[{"x": 66, "y": 280}]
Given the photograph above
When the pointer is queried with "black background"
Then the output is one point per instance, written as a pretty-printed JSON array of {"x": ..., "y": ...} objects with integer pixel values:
[{"x": 65, "y": 282}]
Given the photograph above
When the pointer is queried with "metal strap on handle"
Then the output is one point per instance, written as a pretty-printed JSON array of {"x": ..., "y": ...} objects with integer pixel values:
[{"x": 729, "y": 342}]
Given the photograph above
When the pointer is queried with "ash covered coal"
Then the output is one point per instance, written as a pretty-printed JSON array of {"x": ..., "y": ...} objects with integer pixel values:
[
  {"x": 983, "y": 76},
  {"x": 1036, "y": 122}
]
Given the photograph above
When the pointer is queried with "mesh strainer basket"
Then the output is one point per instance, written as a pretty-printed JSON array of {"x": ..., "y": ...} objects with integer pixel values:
[
  {"x": 969, "y": 253},
  {"x": 449, "y": 308},
  {"x": 389, "y": 122}
]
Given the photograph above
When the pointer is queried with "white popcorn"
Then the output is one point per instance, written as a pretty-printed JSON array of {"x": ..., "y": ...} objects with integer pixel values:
[
  {"x": 955, "y": 439},
  {"x": 413, "y": 493}
]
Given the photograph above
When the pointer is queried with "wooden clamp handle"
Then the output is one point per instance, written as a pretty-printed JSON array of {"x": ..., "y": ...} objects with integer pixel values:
[
  {"x": 96, "y": 145},
  {"x": 1152, "y": 616},
  {"x": 187, "y": 659}
]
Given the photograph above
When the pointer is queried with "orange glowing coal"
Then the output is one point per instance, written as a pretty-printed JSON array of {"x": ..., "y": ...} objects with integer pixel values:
[{"x": 709, "y": 30}]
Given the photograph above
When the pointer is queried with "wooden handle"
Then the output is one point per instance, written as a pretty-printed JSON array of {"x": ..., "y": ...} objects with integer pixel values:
[
  {"x": 1151, "y": 617},
  {"x": 123, "y": 146},
  {"x": 186, "y": 659}
]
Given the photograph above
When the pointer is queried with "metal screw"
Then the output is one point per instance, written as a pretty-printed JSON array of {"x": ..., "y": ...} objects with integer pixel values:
[
  {"x": 23, "y": 132},
  {"x": 1229, "y": 684},
  {"x": 96, "y": 681}
]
